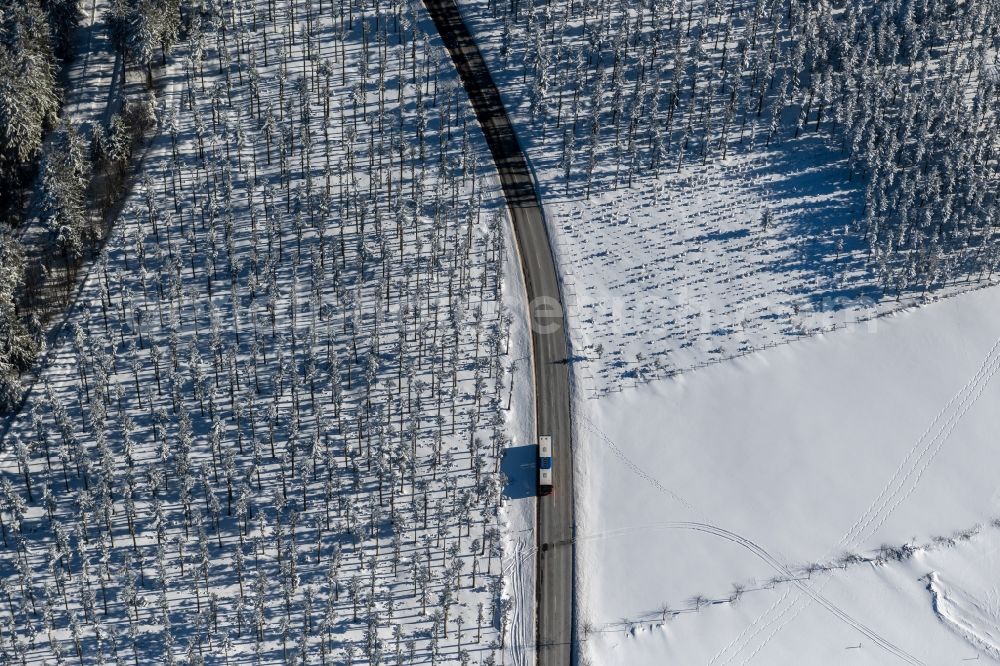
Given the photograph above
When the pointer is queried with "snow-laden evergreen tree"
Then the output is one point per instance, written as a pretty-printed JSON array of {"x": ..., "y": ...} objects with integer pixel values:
[
  {"x": 18, "y": 346},
  {"x": 29, "y": 97},
  {"x": 908, "y": 91},
  {"x": 64, "y": 16},
  {"x": 144, "y": 29},
  {"x": 262, "y": 441},
  {"x": 65, "y": 176}
]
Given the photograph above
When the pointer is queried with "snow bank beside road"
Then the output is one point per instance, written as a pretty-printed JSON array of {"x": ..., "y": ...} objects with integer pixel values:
[{"x": 518, "y": 465}]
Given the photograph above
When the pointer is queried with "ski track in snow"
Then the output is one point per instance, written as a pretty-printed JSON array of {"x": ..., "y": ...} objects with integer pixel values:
[
  {"x": 858, "y": 526},
  {"x": 915, "y": 463},
  {"x": 765, "y": 556},
  {"x": 519, "y": 629}
]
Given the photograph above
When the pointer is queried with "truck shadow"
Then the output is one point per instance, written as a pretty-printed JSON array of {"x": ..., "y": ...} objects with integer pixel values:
[{"x": 519, "y": 466}]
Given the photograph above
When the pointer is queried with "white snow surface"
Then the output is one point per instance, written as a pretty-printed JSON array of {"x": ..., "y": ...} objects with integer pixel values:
[
  {"x": 880, "y": 434},
  {"x": 896, "y": 597}
]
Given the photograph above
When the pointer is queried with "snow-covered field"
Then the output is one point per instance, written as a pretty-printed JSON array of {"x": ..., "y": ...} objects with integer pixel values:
[
  {"x": 847, "y": 446},
  {"x": 941, "y": 604},
  {"x": 274, "y": 428}
]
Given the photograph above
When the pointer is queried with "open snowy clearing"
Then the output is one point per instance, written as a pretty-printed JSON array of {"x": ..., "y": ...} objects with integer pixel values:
[
  {"x": 91, "y": 75},
  {"x": 882, "y": 434}
]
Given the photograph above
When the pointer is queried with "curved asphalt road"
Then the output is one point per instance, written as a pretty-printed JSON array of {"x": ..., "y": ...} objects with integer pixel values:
[{"x": 554, "y": 585}]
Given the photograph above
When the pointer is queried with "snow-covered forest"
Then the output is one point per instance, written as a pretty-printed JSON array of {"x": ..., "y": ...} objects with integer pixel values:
[
  {"x": 907, "y": 90},
  {"x": 751, "y": 231},
  {"x": 274, "y": 424}
]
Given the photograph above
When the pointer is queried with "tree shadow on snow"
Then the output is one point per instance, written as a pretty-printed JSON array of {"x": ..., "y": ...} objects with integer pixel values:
[{"x": 816, "y": 205}]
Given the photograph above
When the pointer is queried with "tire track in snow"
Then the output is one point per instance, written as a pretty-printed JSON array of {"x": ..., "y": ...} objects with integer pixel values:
[
  {"x": 813, "y": 594},
  {"x": 628, "y": 462}
]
